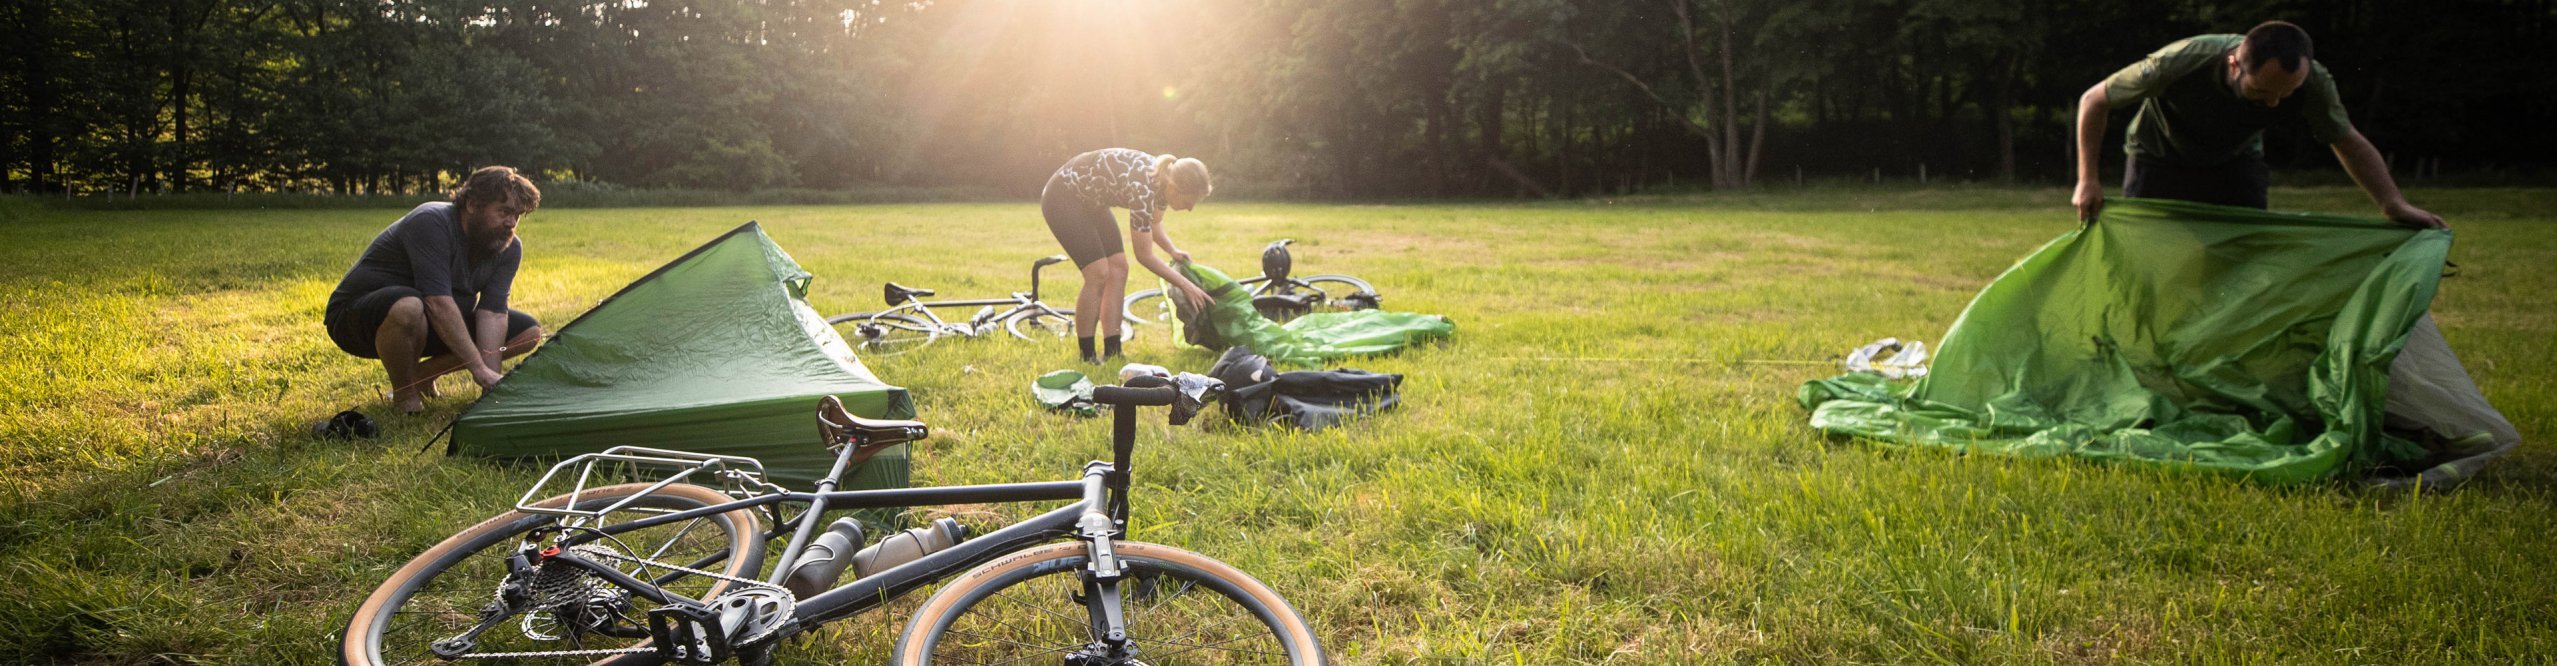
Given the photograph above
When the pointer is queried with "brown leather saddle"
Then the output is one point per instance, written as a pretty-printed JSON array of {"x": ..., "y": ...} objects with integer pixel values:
[{"x": 867, "y": 436}]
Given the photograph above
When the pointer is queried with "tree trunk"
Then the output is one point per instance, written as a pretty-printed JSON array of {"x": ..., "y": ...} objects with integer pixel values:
[
  {"x": 1757, "y": 141},
  {"x": 1730, "y": 114},
  {"x": 1714, "y": 164},
  {"x": 35, "y": 32},
  {"x": 1437, "y": 115},
  {"x": 1489, "y": 125},
  {"x": 1562, "y": 150},
  {"x": 180, "y": 77},
  {"x": 2002, "y": 118}
]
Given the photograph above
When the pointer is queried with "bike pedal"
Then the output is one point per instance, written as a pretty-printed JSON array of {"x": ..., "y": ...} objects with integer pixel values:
[{"x": 688, "y": 634}]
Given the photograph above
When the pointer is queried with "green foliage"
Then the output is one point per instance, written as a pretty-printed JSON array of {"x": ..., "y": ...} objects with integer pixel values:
[
  {"x": 1295, "y": 98},
  {"x": 1604, "y": 465}
]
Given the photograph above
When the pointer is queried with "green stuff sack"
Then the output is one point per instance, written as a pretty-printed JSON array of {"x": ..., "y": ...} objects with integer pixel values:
[
  {"x": 2223, "y": 339},
  {"x": 1230, "y": 320}
]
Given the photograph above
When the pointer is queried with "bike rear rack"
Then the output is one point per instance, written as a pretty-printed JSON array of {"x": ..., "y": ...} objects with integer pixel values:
[{"x": 738, "y": 476}]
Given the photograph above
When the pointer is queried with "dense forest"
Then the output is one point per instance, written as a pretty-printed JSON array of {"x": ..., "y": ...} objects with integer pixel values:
[{"x": 1289, "y": 98}]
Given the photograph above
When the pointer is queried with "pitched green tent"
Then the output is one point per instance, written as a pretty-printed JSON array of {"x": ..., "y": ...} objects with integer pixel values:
[
  {"x": 2222, "y": 339},
  {"x": 716, "y": 352}
]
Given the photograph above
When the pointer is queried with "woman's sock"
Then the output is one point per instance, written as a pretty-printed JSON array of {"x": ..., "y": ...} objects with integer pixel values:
[
  {"x": 1110, "y": 347},
  {"x": 1085, "y": 342}
]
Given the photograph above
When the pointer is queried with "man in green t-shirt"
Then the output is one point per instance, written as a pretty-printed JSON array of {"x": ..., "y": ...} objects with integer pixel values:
[
  {"x": 2199, "y": 136},
  {"x": 2204, "y": 104}
]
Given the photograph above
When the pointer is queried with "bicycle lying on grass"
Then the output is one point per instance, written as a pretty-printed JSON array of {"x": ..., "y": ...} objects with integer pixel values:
[
  {"x": 909, "y": 323},
  {"x": 1277, "y": 294},
  {"x": 665, "y": 571}
]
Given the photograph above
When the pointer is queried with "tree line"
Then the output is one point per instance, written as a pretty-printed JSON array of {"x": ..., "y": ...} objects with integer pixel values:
[{"x": 1291, "y": 98}]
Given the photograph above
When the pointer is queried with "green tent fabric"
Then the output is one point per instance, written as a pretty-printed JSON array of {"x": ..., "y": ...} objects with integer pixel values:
[
  {"x": 2224, "y": 339},
  {"x": 716, "y": 352},
  {"x": 1065, "y": 391},
  {"x": 1308, "y": 340}
]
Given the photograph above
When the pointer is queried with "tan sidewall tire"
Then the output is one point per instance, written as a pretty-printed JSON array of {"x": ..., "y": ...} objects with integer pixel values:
[
  {"x": 355, "y": 649},
  {"x": 910, "y": 645}
]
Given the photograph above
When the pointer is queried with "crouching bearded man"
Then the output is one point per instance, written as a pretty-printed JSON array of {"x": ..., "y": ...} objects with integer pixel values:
[{"x": 428, "y": 296}]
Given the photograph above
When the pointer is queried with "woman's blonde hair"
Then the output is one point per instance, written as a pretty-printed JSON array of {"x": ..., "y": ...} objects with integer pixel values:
[{"x": 1183, "y": 175}]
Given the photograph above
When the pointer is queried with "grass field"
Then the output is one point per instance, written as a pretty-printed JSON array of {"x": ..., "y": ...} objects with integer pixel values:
[{"x": 1605, "y": 465}]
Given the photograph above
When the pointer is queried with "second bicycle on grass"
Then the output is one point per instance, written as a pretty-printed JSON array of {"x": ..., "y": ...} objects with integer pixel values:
[{"x": 911, "y": 323}]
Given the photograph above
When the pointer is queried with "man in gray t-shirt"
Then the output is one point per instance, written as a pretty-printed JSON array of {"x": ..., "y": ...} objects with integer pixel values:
[{"x": 428, "y": 296}]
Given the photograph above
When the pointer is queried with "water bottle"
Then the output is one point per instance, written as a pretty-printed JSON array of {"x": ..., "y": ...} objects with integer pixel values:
[
  {"x": 823, "y": 562},
  {"x": 908, "y": 546}
]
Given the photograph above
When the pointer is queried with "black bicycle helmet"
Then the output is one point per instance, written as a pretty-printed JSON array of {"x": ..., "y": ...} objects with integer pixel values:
[{"x": 1274, "y": 260}]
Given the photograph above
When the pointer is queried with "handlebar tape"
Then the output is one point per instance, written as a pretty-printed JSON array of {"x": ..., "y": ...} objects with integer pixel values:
[{"x": 1139, "y": 392}]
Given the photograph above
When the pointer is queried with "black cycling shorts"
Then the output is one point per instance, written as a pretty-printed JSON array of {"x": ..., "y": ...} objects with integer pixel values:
[
  {"x": 353, "y": 324},
  {"x": 1089, "y": 233}
]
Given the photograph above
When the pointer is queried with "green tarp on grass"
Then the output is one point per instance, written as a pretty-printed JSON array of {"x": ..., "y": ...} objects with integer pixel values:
[
  {"x": 1307, "y": 340},
  {"x": 2225, "y": 339},
  {"x": 717, "y": 352}
]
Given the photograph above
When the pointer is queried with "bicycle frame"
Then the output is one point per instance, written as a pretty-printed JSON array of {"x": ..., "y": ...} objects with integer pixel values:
[
  {"x": 1098, "y": 515},
  {"x": 976, "y": 325}
]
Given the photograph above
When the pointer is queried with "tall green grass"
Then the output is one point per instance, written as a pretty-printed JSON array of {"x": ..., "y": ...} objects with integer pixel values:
[{"x": 1605, "y": 465}]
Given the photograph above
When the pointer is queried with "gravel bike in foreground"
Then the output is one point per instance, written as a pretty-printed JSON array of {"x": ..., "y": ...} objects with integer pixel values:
[{"x": 672, "y": 571}]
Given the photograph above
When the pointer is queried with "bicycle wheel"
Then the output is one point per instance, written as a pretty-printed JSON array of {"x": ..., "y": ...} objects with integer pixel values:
[
  {"x": 883, "y": 334},
  {"x": 1147, "y": 310},
  {"x": 1180, "y": 608},
  {"x": 447, "y": 590},
  {"x": 1046, "y": 324},
  {"x": 1341, "y": 293}
]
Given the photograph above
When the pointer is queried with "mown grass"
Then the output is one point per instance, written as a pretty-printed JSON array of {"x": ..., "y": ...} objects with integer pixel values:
[{"x": 1605, "y": 465}]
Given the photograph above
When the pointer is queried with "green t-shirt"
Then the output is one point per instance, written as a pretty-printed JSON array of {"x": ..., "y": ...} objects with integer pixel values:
[{"x": 2191, "y": 116}]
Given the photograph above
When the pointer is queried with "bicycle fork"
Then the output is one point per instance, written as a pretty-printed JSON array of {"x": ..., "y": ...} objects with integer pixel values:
[{"x": 1102, "y": 573}]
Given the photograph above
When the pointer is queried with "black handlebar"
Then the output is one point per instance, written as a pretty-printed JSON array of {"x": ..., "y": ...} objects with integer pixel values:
[{"x": 1139, "y": 392}]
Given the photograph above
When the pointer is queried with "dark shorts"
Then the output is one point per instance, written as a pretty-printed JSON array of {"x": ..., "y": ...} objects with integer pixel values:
[
  {"x": 1089, "y": 233},
  {"x": 2240, "y": 182},
  {"x": 354, "y": 323}
]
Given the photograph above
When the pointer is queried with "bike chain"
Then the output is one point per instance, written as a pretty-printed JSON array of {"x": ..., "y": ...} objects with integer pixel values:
[{"x": 787, "y": 609}]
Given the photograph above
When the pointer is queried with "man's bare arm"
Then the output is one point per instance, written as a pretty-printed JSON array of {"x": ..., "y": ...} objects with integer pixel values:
[
  {"x": 2094, "y": 109},
  {"x": 444, "y": 321},
  {"x": 2370, "y": 171},
  {"x": 488, "y": 333}
]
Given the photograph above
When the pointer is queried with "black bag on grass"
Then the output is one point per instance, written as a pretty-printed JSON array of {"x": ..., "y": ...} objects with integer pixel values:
[{"x": 1308, "y": 399}]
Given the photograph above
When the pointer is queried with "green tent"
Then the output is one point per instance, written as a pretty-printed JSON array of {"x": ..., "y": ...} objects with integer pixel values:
[
  {"x": 1312, "y": 339},
  {"x": 2224, "y": 339},
  {"x": 716, "y": 352}
]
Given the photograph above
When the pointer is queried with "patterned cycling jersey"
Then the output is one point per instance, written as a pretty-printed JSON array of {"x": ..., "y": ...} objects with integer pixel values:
[{"x": 1116, "y": 177}]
